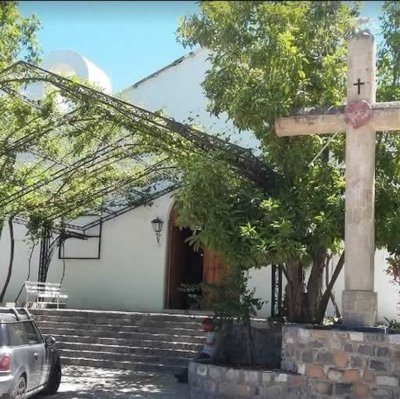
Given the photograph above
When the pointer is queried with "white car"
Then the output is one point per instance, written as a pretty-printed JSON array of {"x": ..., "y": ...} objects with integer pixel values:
[{"x": 29, "y": 363}]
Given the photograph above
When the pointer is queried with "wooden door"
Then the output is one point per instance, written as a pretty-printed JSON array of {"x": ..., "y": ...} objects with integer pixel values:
[
  {"x": 214, "y": 268},
  {"x": 176, "y": 262},
  {"x": 214, "y": 272}
]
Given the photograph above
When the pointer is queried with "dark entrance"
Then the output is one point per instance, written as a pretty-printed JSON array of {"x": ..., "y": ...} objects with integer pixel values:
[{"x": 187, "y": 266}]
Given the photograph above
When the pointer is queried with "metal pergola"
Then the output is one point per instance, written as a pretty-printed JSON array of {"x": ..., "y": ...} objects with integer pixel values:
[{"x": 147, "y": 143}]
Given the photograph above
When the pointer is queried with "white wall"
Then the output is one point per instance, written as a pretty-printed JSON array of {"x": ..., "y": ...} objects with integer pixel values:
[
  {"x": 388, "y": 294},
  {"x": 177, "y": 91},
  {"x": 260, "y": 279},
  {"x": 21, "y": 261},
  {"x": 130, "y": 274}
]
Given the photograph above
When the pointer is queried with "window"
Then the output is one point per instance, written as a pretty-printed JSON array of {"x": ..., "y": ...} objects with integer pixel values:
[
  {"x": 17, "y": 334},
  {"x": 33, "y": 336},
  {"x": 23, "y": 334}
]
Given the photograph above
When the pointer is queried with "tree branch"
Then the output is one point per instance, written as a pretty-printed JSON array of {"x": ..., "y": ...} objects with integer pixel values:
[{"x": 11, "y": 262}]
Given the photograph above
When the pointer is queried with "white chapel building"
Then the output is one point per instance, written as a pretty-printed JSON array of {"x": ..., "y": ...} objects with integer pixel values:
[{"x": 123, "y": 266}]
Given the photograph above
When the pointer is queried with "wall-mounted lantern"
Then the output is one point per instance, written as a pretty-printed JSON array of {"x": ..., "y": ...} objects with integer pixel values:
[{"x": 157, "y": 225}]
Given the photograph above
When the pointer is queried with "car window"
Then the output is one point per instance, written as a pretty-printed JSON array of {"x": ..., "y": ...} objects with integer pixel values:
[
  {"x": 33, "y": 336},
  {"x": 17, "y": 334}
]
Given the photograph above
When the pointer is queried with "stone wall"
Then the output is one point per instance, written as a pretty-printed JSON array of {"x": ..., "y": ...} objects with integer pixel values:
[
  {"x": 316, "y": 364},
  {"x": 343, "y": 364},
  {"x": 208, "y": 381}
]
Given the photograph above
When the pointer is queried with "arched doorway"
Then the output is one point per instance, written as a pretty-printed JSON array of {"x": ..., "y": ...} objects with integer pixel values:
[{"x": 187, "y": 266}]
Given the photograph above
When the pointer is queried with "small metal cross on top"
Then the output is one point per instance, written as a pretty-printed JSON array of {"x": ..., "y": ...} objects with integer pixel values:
[{"x": 360, "y": 119}]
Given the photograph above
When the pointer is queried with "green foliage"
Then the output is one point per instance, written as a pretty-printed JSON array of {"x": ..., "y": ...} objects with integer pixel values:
[
  {"x": 232, "y": 300},
  {"x": 389, "y": 53},
  {"x": 233, "y": 303},
  {"x": 69, "y": 152},
  {"x": 330, "y": 321},
  {"x": 17, "y": 35},
  {"x": 388, "y": 144},
  {"x": 195, "y": 294},
  {"x": 393, "y": 270},
  {"x": 267, "y": 58},
  {"x": 392, "y": 324}
]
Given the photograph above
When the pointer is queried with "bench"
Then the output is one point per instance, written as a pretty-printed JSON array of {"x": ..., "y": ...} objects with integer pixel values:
[{"x": 43, "y": 294}]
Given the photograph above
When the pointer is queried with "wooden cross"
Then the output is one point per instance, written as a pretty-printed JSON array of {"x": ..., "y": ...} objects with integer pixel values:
[{"x": 361, "y": 119}]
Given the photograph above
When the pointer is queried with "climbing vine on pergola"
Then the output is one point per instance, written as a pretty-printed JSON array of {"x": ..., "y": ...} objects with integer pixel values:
[{"x": 76, "y": 150}]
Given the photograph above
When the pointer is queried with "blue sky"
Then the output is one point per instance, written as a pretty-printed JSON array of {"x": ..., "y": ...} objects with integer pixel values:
[{"x": 127, "y": 39}]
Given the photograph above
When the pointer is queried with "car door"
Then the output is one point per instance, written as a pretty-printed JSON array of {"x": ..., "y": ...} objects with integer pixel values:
[
  {"x": 38, "y": 350},
  {"x": 48, "y": 357},
  {"x": 23, "y": 353}
]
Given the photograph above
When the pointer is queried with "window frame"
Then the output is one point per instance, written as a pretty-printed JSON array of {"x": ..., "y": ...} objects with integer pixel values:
[
  {"x": 22, "y": 324},
  {"x": 36, "y": 331}
]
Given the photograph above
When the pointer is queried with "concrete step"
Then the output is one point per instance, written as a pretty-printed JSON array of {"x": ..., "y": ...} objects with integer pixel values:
[
  {"x": 125, "y": 340},
  {"x": 124, "y": 335},
  {"x": 145, "y": 322},
  {"x": 128, "y": 317},
  {"x": 135, "y": 350},
  {"x": 128, "y": 342},
  {"x": 126, "y": 357},
  {"x": 107, "y": 328},
  {"x": 123, "y": 365}
]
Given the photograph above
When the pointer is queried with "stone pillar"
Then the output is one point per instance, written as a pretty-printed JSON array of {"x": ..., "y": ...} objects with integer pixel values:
[{"x": 359, "y": 301}]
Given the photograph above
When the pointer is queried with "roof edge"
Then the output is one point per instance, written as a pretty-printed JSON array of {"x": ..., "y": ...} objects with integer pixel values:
[{"x": 159, "y": 71}]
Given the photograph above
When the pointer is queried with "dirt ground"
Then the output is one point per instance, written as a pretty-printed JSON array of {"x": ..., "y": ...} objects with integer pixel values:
[{"x": 87, "y": 382}]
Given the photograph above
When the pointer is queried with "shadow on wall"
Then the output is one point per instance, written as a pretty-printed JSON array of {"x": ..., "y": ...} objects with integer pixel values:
[{"x": 267, "y": 340}]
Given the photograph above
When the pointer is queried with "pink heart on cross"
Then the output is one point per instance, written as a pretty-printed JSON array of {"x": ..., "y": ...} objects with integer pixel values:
[{"x": 358, "y": 113}]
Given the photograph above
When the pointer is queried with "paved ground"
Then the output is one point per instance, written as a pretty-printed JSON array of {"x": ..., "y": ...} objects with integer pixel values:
[{"x": 87, "y": 382}]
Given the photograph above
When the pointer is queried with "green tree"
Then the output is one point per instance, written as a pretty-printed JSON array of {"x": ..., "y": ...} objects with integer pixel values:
[
  {"x": 64, "y": 154},
  {"x": 268, "y": 58},
  {"x": 17, "y": 35}
]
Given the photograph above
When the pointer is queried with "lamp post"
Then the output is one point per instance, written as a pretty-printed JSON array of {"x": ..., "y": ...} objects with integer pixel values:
[{"x": 157, "y": 225}]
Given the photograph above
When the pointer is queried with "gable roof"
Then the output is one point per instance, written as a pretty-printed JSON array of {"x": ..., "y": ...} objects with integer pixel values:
[{"x": 162, "y": 70}]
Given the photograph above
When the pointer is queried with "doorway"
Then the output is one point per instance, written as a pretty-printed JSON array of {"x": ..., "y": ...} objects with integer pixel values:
[{"x": 188, "y": 266}]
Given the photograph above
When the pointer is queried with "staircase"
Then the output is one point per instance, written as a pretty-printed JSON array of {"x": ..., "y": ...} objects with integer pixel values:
[{"x": 148, "y": 342}]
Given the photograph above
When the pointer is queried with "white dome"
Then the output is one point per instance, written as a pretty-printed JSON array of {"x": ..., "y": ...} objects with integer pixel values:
[{"x": 69, "y": 63}]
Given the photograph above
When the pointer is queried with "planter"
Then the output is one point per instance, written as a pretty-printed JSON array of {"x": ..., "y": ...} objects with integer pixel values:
[
  {"x": 344, "y": 363},
  {"x": 316, "y": 363},
  {"x": 208, "y": 381}
]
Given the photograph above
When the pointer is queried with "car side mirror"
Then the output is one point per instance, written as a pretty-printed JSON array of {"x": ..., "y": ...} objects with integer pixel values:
[{"x": 50, "y": 341}]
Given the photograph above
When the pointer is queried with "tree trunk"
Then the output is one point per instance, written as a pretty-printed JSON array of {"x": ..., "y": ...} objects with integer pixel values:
[
  {"x": 295, "y": 291},
  {"x": 314, "y": 288},
  {"x": 332, "y": 296},
  {"x": 250, "y": 343},
  {"x": 11, "y": 262},
  {"x": 29, "y": 273},
  {"x": 326, "y": 295}
]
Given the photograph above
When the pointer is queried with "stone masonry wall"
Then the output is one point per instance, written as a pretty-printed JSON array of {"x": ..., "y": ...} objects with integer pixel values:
[
  {"x": 343, "y": 364},
  {"x": 208, "y": 381}
]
